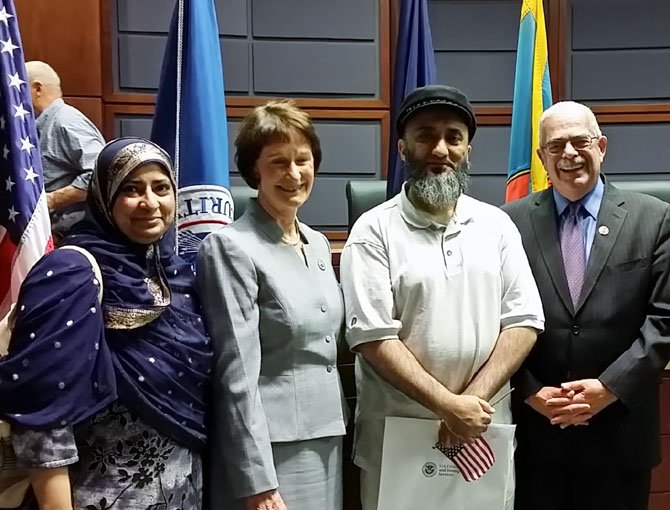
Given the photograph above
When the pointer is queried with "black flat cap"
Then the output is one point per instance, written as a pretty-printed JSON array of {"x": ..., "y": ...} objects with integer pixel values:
[{"x": 437, "y": 95}]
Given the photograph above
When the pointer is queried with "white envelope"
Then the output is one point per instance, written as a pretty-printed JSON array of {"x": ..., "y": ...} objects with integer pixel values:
[{"x": 415, "y": 475}]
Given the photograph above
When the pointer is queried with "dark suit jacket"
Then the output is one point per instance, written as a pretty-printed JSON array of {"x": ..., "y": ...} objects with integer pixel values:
[{"x": 618, "y": 331}]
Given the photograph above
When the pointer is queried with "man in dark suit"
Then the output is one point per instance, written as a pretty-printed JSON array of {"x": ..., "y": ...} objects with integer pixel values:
[{"x": 586, "y": 399}]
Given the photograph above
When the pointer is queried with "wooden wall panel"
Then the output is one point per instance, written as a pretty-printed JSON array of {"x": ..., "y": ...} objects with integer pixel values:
[
  {"x": 66, "y": 35},
  {"x": 659, "y": 502},
  {"x": 92, "y": 107},
  {"x": 665, "y": 408},
  {"x": 660, "y": 481}
]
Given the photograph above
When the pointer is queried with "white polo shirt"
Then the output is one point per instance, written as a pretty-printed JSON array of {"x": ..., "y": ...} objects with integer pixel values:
[{"x": 446, "y": 291}]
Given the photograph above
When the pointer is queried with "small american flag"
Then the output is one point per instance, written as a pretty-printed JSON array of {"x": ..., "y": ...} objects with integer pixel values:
[
  {"x": 25, "y": 230},
  {"x": 472, "y": 460}
]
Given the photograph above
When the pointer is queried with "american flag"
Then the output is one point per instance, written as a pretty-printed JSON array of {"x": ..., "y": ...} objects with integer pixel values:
[
  {"x": 472, "y": 459},
  {"x": 25, "y": 230}
]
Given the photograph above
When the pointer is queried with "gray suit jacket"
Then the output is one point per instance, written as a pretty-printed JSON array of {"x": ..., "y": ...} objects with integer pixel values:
[
  {"x": 618, "y": 332},
  {"x": 275, "y": 325}
]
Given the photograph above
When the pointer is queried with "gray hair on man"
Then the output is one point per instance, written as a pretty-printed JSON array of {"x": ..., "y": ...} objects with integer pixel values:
[
  {"x": 42, "y": 72},
  {"x": 570, "y": 108}
]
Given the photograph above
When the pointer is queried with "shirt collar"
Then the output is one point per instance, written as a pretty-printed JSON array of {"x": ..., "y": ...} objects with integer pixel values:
[
  {"x": 50, "y": 110},
  {"x": 462, "y": 214},
  {"x": 590, "y": 202},
  {"x": 267, "y": 223}
]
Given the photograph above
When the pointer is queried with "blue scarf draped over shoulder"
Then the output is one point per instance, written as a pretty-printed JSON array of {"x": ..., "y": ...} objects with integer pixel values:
[{"x": 145, "y": 346}]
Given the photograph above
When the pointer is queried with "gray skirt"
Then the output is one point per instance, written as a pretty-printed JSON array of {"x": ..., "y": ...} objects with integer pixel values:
[{"x": 310, "y": 473}]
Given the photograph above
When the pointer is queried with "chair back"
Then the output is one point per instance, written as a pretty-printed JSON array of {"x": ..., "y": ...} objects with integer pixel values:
[
  {"x": 363, "y": 195},
  {"x": 241, "y": 196},
  {"x": 658, "y": 189}
]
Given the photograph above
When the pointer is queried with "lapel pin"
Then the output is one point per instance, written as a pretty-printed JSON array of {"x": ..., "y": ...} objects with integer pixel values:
[{"x": 603, "y": 230}]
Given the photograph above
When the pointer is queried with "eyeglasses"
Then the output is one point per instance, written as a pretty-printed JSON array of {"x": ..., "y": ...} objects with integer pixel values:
[{"x": 579, "y": 143}]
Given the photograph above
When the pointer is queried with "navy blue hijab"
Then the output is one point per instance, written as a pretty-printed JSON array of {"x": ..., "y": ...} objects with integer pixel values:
[{"x": 146, "y": 346}]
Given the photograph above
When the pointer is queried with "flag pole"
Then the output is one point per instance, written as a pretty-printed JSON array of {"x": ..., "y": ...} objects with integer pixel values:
[
  {"x": 190, "y": 123},
  {"x": 177, "y": 119},
  {"x": 178, "y": 76}
]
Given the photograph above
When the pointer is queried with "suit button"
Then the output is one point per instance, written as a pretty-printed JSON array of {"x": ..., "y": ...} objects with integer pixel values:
[
  {"x": 568, "y": 375},
  {"x": 575, "y": 330},
  {"x": 328, "y": 338},
  {"x": 323, "y": 308},
  {"x": 329, "y": 368}
]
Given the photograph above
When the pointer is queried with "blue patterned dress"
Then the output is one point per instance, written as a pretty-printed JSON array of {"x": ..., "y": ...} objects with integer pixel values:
[{"x": 123, "y": 463}]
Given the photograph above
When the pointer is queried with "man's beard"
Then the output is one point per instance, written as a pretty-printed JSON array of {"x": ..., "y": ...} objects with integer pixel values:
[{"x": 437, "y": 190}]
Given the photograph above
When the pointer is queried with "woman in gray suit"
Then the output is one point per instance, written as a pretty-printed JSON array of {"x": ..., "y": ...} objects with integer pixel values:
[{"x": 275, "y": 313}]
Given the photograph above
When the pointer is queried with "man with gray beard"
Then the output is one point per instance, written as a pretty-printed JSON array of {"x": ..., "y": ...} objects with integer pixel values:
[
  {"x": 439, "y": 190},
  {"x": 441, "y": 305}
]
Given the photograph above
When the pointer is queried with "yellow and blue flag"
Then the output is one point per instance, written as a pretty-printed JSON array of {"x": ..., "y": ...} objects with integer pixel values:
[
  {"x": 190, "y": 123},
  {"x": 532, "y": 95}
]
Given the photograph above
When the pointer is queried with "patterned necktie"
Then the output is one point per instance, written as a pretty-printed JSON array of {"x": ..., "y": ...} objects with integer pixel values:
[{"x": 572, "y": 247}]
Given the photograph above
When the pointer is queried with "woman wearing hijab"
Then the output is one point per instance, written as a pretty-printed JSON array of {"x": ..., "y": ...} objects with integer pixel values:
[
  {"x": 275, "y": 312},
  {"x": 107, "y": 401}
]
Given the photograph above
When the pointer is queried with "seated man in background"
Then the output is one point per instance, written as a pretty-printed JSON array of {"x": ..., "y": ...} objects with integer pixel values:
[{"x": 69, "y": 144}]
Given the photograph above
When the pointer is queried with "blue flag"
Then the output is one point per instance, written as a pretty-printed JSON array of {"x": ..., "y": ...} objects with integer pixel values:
[
  {"x": 414, "y": 67},
  {"x": 190, "y": 122}
]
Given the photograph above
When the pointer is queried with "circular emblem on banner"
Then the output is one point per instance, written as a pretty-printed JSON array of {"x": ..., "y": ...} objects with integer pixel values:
[
  {"x": 202, "y": 209},
  {"x": 429, "y": 469}
]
